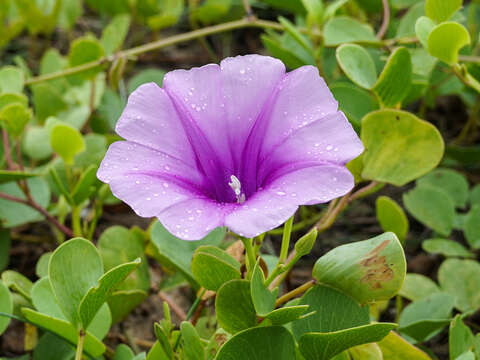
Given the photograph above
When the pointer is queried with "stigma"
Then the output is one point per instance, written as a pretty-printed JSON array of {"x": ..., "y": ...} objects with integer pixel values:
[{"x": 236, "y": 186}]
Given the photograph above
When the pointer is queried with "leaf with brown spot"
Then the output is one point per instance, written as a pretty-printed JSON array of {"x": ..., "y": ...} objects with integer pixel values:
[{"x": 368, "y": 270}]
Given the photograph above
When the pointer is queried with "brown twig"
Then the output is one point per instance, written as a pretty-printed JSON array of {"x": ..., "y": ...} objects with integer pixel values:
[
  {"x": 175, "y": 308},
  {"x": 198, "y": 312},
  {"x": 33, "y": 204},
  {"x": 386, "y": 20}
]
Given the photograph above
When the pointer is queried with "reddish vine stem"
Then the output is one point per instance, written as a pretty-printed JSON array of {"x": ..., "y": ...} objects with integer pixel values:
[
  {"x": 386, "y": 20},
  {"x": 6, "y": 150},
  {"x": 33, "y": 204}
]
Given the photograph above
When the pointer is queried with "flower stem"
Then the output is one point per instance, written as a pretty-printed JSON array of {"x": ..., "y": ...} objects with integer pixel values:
[
  {"x": 81, "y": 341},
  {"x": 287, "y": 233},
  {"x": 76, "y": 221},
  {"x": 257, "y": 243},
  {"x": 250, "y": 263},
  {"x": 294, "y": 293}
]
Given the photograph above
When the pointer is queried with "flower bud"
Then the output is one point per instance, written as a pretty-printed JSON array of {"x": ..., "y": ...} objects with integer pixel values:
[{"x": 306, "y": 242}]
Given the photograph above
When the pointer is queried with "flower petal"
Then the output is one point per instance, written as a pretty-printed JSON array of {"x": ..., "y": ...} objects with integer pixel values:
[
  {"x": 280, "y": 198},
  {"x": 193, "y": 219},
  {"x": 147, "y": 180},
  {"x": 151, "y": 120},
  {"x": 330, "y": 140},
  {"x": 303, "y": 97}
]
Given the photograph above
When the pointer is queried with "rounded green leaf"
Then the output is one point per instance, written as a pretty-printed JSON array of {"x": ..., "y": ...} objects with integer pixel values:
[
  {"x": 394, "y": 347},
  {"x": 113, "y": 35},
  {"x": 423, "y": 317},
  {"x": 392, "y": 217},
  {"x": 445, "y": 247},
  {"x": 85, "y": 50},
  {"x": 11, "y": 79},
  {"x": 353, "y": 101},
  {"x": 192, "y": 345},
  {"x": 66, "y": 141},
  {"x": 212, "y": 267},
  {"x": 261, "y": 343},
  {"x": 357, "y": 64},
  {"x": 475, "y": 195},
  {"x": 423, "y": 28},
  {"x": 417, "y": 286},
  {"x": 14, "y": 117},
  {"x": 399, "y": 146},
  {"x": 17, "y": 282},
  {"x": 333, "y": 311},
  {"x": 441, "y": 10},
  {"x": 432, "y": 207},
  {"x": 344, "y": 29},
  {"x": 74, "y": 268},
  {"x": 241, "y": 316},
  {"x": 6, "y": 306},
  {"x": 263, "y": 299},
  {"x": 472, "y": 227},
  {"x": 122, "y": 302},
  {"x": 368, "y": 270},
  {"x": 460, "y": 339},
  {"x": 446, "y": 40},
  {"x": 461, "y": 278},
  {"x": 450, "y": 181},
  {"x": 406, "y": 26},
  {"x": 395, "y": 80},
  {"x": 11, "y": 98},
  {"x": 285, "y": 315},
  {"x": 324, "y": 346}
]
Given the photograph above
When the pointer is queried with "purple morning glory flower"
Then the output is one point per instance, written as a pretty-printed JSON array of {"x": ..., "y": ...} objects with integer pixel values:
[{"x": 241, "y": 144}]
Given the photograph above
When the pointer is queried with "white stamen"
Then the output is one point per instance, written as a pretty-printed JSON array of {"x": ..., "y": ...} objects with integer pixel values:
[{"x": 237, "y": 189}]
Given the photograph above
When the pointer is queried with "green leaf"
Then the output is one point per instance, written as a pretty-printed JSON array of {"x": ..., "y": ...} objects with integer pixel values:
[
  {"x": 366, "y": 352},
  {"x": 13, "y": 214},
  {"x": 12, "y": 98},
  {"x": 66, "y": 141},
  {"x": 422, "y": 63},
  {"x": 344, "y": 29},
  {"x": 14, "y": 117},
  {"x": 357, "y": 64},
  {"x": 441, "y": 10},
  {"x": 84, "y": 50},
  {"x": 118, "y": 245},
  {"x": 65, "y": 330},
  {"x": 466, "y": 356},
  {"x": 423, "y": 28},
  {"x": 6, "y": 306},
  {"x": 392, "y": 217},
  {"x": 263, "y": 299},
  {"x": 445, "y": 247},
  {"x": 395, "y": 80},
  {"x": 95, "y": 149},
  {"x": 406, "y": 26},
  {"x": 123, "y": 352},
  {"x": 285, "y": 315},
  {"x": 123, "y": 302},
  {"x": 475, "y": 195},
  {"x": 17, "y": 282},
  {"x": 461, "y": 278},
  {"x": 113, "y": 35},
  {"x": 11, "y": 79},
  {"x": 432, "y": 207},
  {"x": 212, "y": 267},
  {"x": 296, "y": 35},
  {"x": 53, "y": 348},
  {"x": 275, "y": 46},
  {"x": 424, "y": 317},
  {"x": 323, "y": 346},
  {"x": 460, "y": 338},
  {"x": 192, "y": 345},
  {"x": 446, "y": 40},
  {"x": 47, "y": 101},
  {"x": 261, "y": 343},
  {"x": 177, "y": 253},
  {"x": 70, "y": 11},
  {"x": 450, "y": 181},
  {"x": 5, "y": 244},
  {"x": 399, "y": 146},
  {"x": 417, "y": 286},
  {"x": 241, "y": 316},
  {"x": 353, "y": 101},
  {"x": 394, "y": 347},
  {"x": 334, "y": 311},
  {"x": 68, "y": 283},
  {"x": 99, "y": 294},
  {"x": 368, "y": 270},
  {"x": 145, "y": 76},
  {"x": 472, "y": 227},
  {"x": 34, "y": 144},
  {"x": 86, "y": 185}
]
